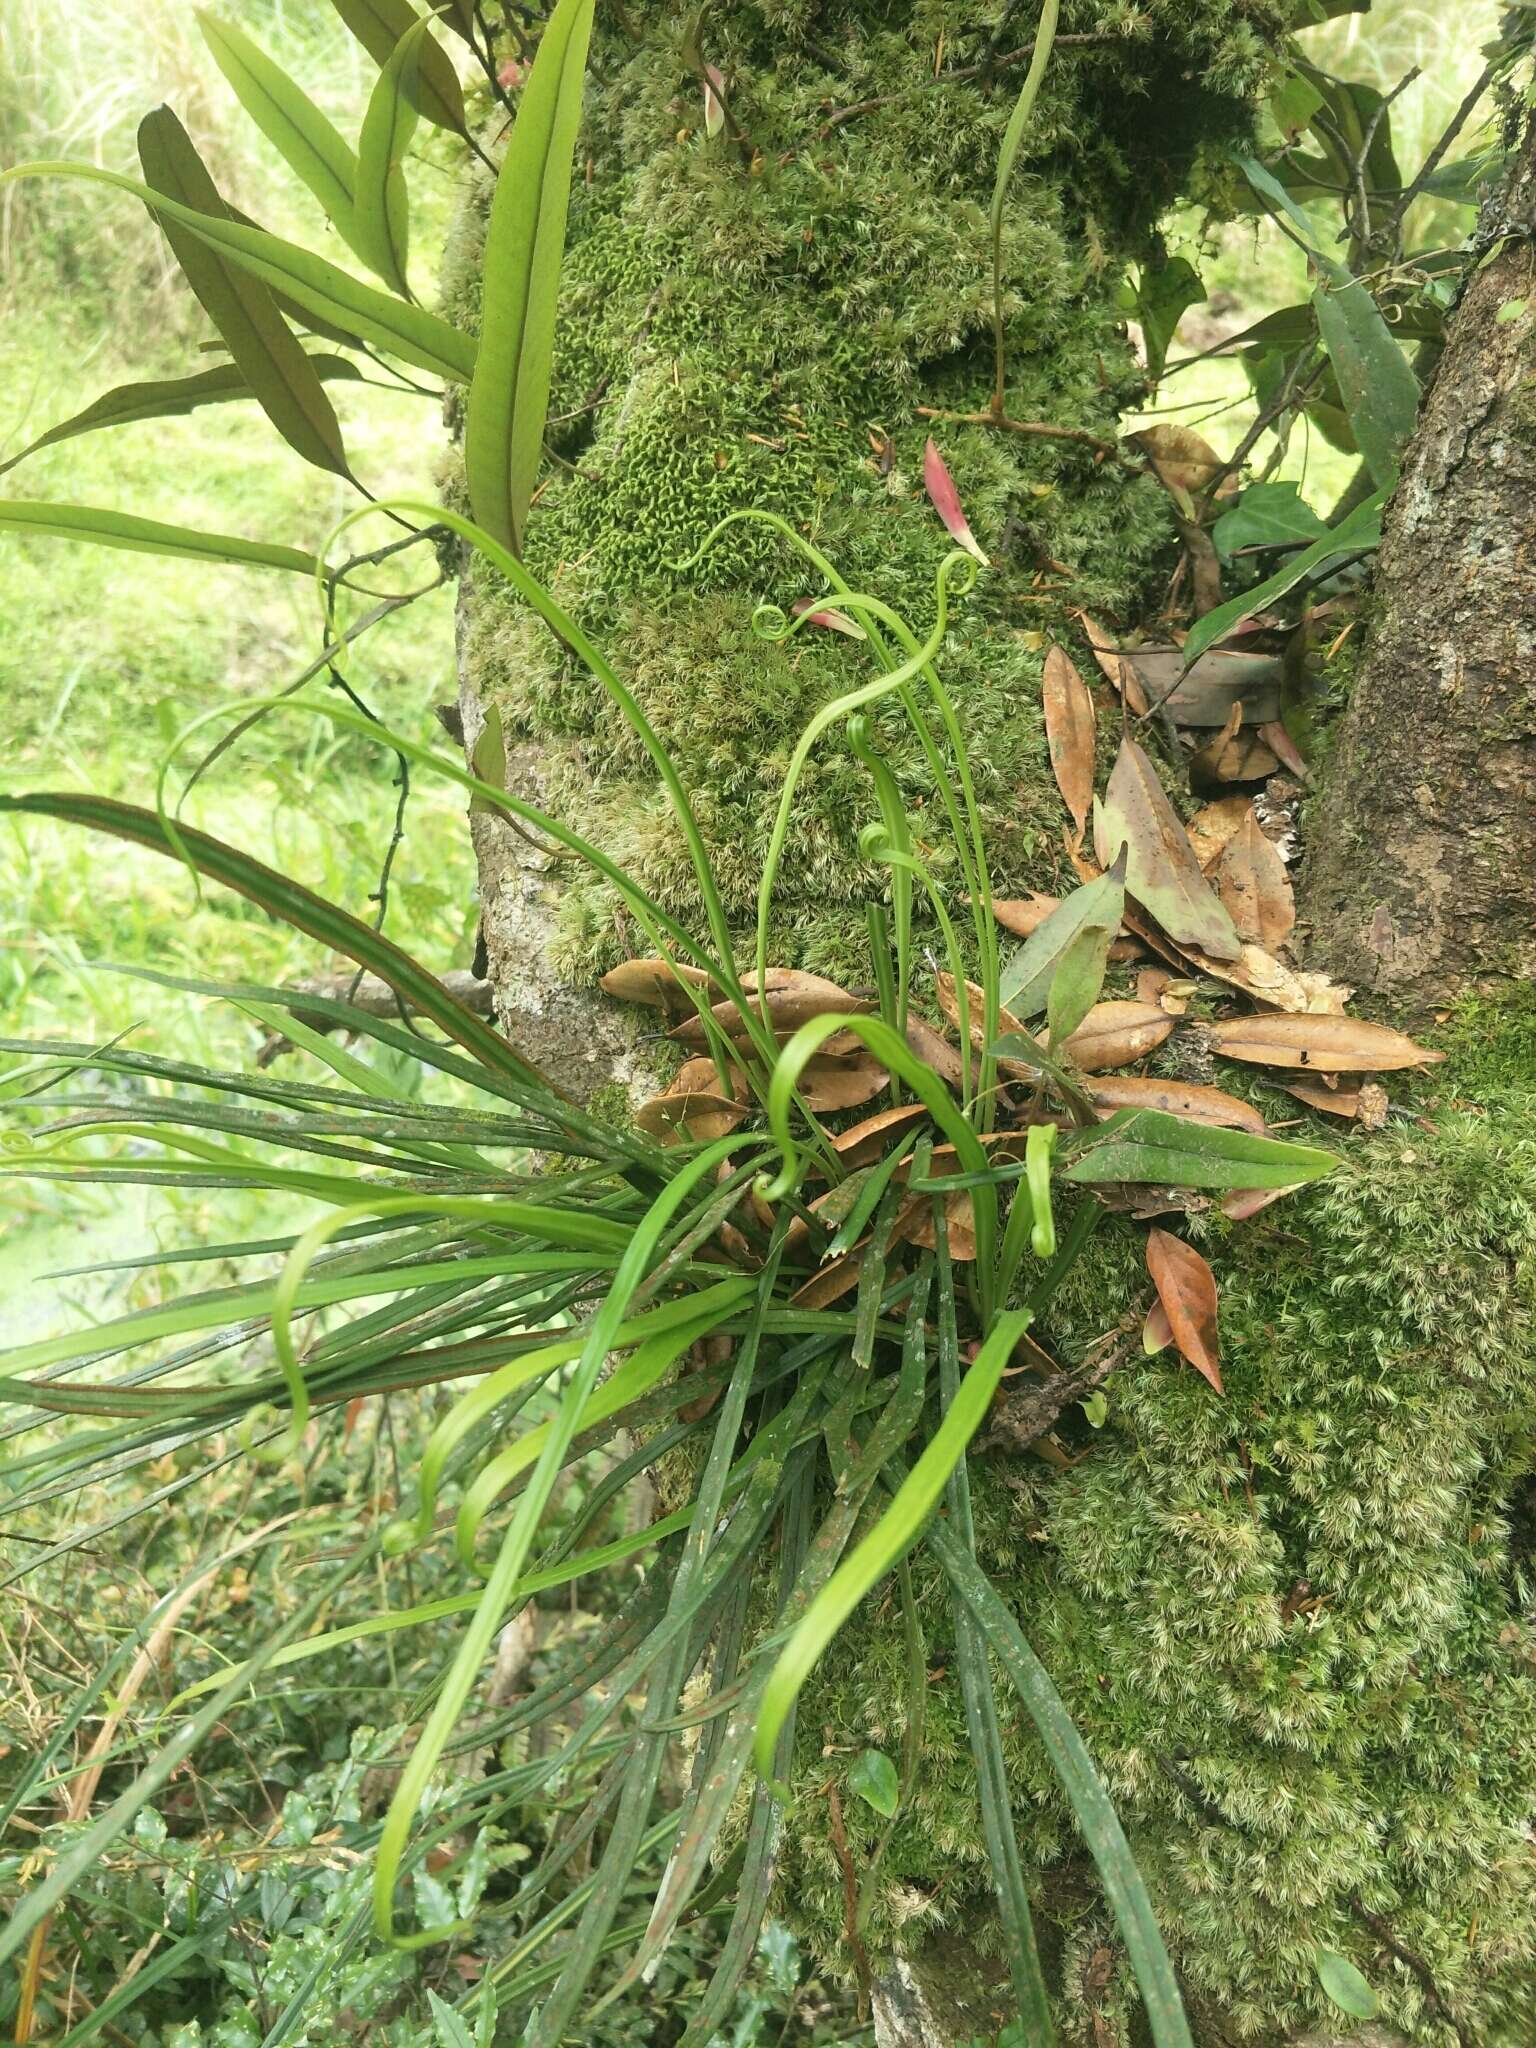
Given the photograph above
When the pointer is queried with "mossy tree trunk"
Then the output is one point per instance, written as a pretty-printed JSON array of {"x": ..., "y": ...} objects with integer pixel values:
[
  {"x": 756, "y": 321},
  {"x": 1421, "y": 881}
]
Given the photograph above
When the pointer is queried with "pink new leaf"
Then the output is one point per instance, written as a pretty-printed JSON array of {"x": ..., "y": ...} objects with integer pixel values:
[{"x": 946, "y": 502}]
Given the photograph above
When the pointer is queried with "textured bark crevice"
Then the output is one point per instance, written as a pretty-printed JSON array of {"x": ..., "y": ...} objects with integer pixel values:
[{"x": 1421, "y": 879}]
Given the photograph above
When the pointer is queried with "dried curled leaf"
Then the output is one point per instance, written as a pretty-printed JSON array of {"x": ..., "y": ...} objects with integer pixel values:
[
  {"x": 1235, "y": 754},
  {"x": 1162, "y": 873},
  {"x": 695, "y": 1117},
  {"x": 1268, "y": 980},
  {"x": 656, "y": 983},
  {"x": 790, "y": 999},
  {"x": 1326, "y": 1045},
  {"x": 866, "y": 1142},
  {"x": 945, "y": 988},
  {"x": 1114, "y": 1034},
  {"x": 1182, "y": 460},
  {"x": 1070, "y": 728},
  {"x": 1180, "y": 1098},
  {"x": 1214, "y": 824},
  {"x": 1186, "y": 1287}
]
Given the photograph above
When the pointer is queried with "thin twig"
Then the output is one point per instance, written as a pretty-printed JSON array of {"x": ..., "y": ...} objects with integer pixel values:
[
  {"x": 1387, "y": 234},
  {"x": 1039, "y": 429}
]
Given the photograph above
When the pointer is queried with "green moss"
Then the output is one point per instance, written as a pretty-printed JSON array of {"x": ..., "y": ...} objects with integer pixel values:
[
  {"x": 732, "y": 337},
  {"x": 1293, "y": 1625}
]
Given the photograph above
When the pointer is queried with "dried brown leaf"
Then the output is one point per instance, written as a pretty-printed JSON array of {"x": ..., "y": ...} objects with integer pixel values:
[
  {"x": 1236, "y": 754},
  {"x": 1156, "y": 1333},
  {"x": 866, "y": 1142},
  {"x": 1186, "y": 1287},
  {"x": 657, "y": 983},
  {"x": 1182, "y": 460},
  {"x": 827, "y": 1084},
  {"x": 1070, "y": 728},
  {"x": 1326, "y": 1045},
  {"x": 1251, "y": 880},
  {"x": 1179, "y": 1098},
  {"x": 1268, "y": 980},
  {"x": 1212, "y": 826},
  {"x": 790, "y": 999},
  {"x": 1116, "y": 666},
  {"x": 1238, "y": 1204},
  {"x": 1113, "y": 1034},
  {"x": 696, "y": 1117}
]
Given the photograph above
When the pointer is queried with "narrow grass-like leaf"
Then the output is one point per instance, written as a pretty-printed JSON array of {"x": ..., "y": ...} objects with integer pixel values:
[
  {"x": 983, "y": 1726},
  {"x": 288, "y": 901},
  {"x": 148, "y": 536},
  {"x": 1008, "y": 156},
  {"x": 632, "y": 1268},
  {"x": 357, "y": 309},
  {"x": 383, "y": 210},
  {"x": 379, "y": 25},
  {"x": 87, "y": 1848},
  {"x": 1359, "y": 534},
  {"x": 169, "y": 398},
  {"x": 892, "y": 1536},
  {"x": 307, "y": 142},
  {"x": 525, "y": 242},
  {"x": 1106, "y": 1841},
  {"x": 248, "y": 319}
]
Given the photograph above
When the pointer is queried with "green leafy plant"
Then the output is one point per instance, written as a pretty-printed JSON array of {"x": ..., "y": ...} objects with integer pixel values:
[{"x": 487, "y": 1229}]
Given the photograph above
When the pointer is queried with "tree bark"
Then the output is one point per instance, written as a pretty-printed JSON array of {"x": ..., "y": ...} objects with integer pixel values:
[{"x": 1421, "y": 879}]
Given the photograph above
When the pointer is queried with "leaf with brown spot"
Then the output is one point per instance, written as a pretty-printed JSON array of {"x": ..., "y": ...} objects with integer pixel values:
[
  {"x": 1186, "y": 1287},
  {"x": 1114, "y": 1034},
  {"x": 1162, "y": 872},
  {"x": 1180, "y": 1098},
  {"x": 1251, "y": 880},
  {"x": 1069, "y": 732},
  {"x": 1326, "y": 1045},
  {"x": 1116, "y": 666},
  {"x": 694, "y": 1117},
  {"x": 1213, "y": 825},
  {"x": 656, "y": 983}
]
